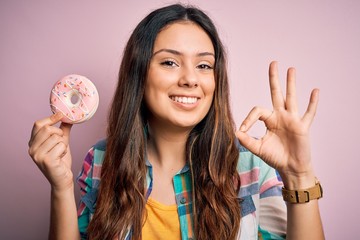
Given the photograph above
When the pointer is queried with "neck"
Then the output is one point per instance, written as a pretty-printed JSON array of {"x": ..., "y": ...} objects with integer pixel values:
[{"x": 166, "y": 147}]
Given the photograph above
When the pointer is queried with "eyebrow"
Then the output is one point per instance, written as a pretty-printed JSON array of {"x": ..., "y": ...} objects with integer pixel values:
[{"x": 175, "y": 52}]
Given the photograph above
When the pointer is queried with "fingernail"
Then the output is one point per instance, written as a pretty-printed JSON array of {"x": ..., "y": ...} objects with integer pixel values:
[{"x": 243, "y": 128}]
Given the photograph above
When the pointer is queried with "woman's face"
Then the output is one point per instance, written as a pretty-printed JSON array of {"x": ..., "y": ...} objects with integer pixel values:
[{"x": 180, "y": 84}]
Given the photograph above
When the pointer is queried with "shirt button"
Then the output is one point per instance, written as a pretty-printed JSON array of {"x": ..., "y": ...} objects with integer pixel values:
[{"x": 183, "y": 200}]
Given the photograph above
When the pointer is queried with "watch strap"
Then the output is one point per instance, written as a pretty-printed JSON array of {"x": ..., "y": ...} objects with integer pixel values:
[{"x": 304, "y": 195}]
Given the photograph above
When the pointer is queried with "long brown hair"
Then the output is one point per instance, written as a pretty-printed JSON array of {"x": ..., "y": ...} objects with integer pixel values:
[{"x": 211, "y": 149}]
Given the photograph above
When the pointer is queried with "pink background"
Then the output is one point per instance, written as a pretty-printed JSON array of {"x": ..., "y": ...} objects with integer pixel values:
[{"x": 42, "y": 41}]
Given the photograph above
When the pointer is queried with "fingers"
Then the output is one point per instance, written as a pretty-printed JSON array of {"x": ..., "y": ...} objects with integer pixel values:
[
  {"x": 257, "y": 113},
  {"x": 46, "y": 137},
  {"x": 252, "y": 144},
  {"x": 65, "y": 127},
  {"x": 54, "y": 145},
  {"x": 275, "y": 88},
  {"x": 278, "y": 101},
  {"x": 312, "y": 106},
  {"x": 53, "y": 119},
  {"x": 42, "y": 135},
  {"x": 291, "y": 99}
]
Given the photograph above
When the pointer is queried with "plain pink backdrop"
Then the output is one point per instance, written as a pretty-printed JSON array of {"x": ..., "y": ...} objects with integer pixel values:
[{"x": 42, "y": 41}]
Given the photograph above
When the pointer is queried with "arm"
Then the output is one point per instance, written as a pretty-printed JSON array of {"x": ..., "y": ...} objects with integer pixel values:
[
  {"x": 304, "y": 220},
  {"x": 49, "y": 148},
  {"x": 286, "y": 147},
  {"x": 63, "y": 217}
]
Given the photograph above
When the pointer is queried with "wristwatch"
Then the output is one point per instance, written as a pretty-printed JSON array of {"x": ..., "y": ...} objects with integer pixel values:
[{"x": 304, "y": 195}]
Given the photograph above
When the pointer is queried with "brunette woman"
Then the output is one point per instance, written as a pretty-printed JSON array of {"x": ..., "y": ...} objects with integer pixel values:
[{"x": 172, "y": 166}]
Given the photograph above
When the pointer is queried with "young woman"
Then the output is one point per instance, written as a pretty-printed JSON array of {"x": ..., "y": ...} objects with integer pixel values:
[{"x": 171, "y": 166}]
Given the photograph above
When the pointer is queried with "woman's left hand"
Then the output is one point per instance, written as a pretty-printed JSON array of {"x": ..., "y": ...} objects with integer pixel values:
[{"x": 286, "y": 144}]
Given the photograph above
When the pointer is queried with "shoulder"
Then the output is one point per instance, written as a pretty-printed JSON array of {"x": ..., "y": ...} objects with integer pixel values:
[
  {"x": 98, "y": 152},
  {"x": 89, "y": 182},
  {"x": 90, "y": 173},
  {"x": 100, "y": 145},
  {"x": 98, "y": 158}
]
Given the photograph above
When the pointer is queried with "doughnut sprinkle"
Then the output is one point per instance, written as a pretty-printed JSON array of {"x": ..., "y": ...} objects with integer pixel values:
[{"x": 76, "y": 97}]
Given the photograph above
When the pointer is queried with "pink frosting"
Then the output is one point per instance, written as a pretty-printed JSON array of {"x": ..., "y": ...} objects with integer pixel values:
[{"x": 76, "y": 97}]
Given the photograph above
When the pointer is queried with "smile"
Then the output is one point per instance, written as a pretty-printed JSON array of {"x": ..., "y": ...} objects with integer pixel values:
[{"x": 184, "y": 100}]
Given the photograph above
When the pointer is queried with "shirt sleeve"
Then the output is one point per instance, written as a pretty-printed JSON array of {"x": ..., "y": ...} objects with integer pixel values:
[
  {"x": 272, "y": 208},
  {"x": 84, "y": 179}
]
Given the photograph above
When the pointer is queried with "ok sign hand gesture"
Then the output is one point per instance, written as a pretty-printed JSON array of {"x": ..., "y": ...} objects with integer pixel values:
[{"x": 286, "y": 144}]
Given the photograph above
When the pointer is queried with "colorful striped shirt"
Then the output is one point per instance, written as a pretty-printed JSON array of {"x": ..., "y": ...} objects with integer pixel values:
[{"x": 263, "y": 212}]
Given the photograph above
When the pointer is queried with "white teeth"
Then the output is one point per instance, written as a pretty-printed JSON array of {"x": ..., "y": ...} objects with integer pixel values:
[{"x": 185, "y": 100}]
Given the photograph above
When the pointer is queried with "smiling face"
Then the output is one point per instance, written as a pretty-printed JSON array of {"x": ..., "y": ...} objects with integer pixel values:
[{"x": 180, "y": 83}]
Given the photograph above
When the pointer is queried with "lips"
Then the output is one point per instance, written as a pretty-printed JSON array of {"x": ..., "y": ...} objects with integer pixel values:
[{"x": 184, "y": 99}]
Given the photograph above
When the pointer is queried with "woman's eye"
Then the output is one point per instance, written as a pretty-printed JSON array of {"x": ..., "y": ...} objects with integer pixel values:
[
  {"x": 169, "y": 63},
  {"x": 204, "y": 66}
]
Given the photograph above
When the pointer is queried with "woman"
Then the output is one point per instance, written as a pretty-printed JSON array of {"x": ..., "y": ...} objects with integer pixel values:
[{"x": 171, "y": 165}]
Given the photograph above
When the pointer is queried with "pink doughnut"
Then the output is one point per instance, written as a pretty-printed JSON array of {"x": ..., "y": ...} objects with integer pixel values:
[{"x": 76, "y": 97}]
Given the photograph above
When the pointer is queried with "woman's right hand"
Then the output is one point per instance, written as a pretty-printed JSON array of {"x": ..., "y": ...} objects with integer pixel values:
[{"x": 49, "y": 148}]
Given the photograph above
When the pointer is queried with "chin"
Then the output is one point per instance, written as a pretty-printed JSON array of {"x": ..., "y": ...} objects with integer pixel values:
[{"x": 186, "y": 124}]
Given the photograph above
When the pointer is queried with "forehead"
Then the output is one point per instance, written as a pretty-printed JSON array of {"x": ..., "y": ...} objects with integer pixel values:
[{"x": 184, "y": 36}]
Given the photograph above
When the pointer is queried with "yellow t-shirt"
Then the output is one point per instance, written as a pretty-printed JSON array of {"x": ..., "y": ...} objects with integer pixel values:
[{"x": 162, "y": 222}]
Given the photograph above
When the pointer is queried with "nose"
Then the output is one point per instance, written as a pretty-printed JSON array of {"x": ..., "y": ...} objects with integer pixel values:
[{"x": 188, "y": 77}]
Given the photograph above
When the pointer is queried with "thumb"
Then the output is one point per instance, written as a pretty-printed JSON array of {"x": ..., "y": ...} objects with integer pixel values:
[
  {"x": 66, "y": 127},
  {"x": 252, "y": 144}
]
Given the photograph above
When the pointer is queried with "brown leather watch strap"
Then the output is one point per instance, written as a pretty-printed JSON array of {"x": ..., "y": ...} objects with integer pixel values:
[{"x": 304, "y": 195}]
